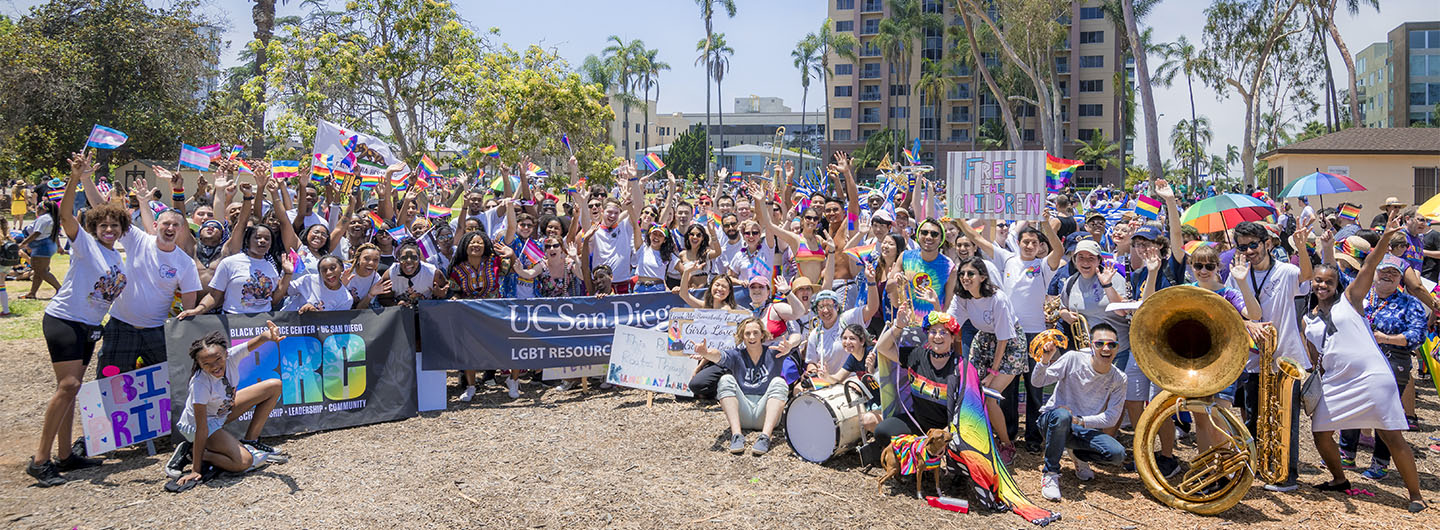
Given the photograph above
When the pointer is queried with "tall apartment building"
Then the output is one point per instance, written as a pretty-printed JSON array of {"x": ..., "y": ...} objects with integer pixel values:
[
  {"x": 1372, "y": 78},
  {"x": 1415, "y": 72},
  {"x": 860, "y": 104}
]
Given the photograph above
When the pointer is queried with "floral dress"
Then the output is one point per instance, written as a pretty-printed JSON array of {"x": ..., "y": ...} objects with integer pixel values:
[{"x": 547, "y": 286}]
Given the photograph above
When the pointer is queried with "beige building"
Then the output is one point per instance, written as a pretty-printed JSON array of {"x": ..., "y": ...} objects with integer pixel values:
[
  {"x": 861, "y": 102},
  {"x": 1394, "y": 162},
  {"x": 664, "y": 128}
]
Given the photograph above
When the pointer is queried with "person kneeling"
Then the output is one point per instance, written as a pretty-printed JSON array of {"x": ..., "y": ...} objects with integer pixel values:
[
  {"x": 753, "y": 394},
  {"x": 214, "y": 402},
  {"x": 1089, "y": 395}
]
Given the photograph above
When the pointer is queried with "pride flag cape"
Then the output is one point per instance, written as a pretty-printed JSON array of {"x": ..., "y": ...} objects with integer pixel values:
[
  {"x": 1147, "y": 207},
  {"x": 974, "y": 453},
  {"x": 1428, "y": 356},
  {"x": 1058, "y": 171}
]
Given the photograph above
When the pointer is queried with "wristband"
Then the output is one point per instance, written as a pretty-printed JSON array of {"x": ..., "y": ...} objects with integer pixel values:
[
  {"x": 1105, "y": 286},
  {"x": 249, "y": 197}
]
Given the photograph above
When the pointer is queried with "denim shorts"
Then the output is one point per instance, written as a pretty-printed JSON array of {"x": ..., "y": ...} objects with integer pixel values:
[
  {"x": 188, "y": 431},
  {"x": 43, "y": 248}
]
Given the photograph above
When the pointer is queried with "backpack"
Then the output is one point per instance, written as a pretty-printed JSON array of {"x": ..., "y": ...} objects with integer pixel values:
[{"x": 9, "y": 254}]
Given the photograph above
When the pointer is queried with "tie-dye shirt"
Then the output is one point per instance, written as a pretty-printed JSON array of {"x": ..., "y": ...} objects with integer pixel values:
[{"x": 937, "y": 271}]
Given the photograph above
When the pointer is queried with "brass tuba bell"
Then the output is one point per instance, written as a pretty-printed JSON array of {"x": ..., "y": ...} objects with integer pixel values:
[{"x": 1189, "y": 341}]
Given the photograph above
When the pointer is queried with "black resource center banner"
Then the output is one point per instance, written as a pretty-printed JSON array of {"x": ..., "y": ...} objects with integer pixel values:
[
  {"x": 533, "y": 333},
  {"x": 338, "y": 368}
]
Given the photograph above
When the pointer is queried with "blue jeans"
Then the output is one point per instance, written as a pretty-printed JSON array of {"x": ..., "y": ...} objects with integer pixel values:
[
  {"x": 1090, "y": 445},
  {"x": 658, "y": 287}
]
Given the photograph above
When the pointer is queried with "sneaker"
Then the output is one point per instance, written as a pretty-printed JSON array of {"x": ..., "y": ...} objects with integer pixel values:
[
  {"x": 1082, "y": 468},
  {"x": 564, "y": 386},
  {"x": 1413, "y": 422},
  {"x": 1169, "y": 466},
  {"x": 761, "y": 445},
  {"x": 175, "y": 468},
  {"x": 514, "y": 385},
  {"x": 275, "y": 455},
  {"x": 75, "y": 461},
  {"x": 468, "y": 394},
  {"x": 1050, "y": 486},
  {"x": 1282, "y": 488},
  {"x": 737, "y": 444},
  {"x": 1347, "y": 461},
  {"x": 1376, "y": 472},
  {"x": 1007, "y": 455},
  {"x": 1034, "y": 447},
  {"x": 45, "y": 474}
]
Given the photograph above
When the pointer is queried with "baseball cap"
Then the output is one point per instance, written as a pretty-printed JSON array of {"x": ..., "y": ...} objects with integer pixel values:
[
  {"x": 1147, "y": 232},
  {"x": 1392, "y": 262},
  {"x": 883, "y": 216},
  {"x": 1093, "y": 215},
  {"x": 1088, "y": 246},
  {"x": 758, "y": 280}
]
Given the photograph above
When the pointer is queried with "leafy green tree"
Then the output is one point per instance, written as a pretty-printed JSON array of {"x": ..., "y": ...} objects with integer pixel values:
[
  {"x": 686, "y": 156},
  {"x": 70, "y": 64},
  {"x": 1098, "y": 151}
]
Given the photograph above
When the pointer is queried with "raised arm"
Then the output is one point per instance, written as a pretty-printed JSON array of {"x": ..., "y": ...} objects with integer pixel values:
[
  {"x": 1298, "y": 240},
  {"x": 81, "y": 166},
  {"x": 147, "y": 214},
  {"x": 1057, "y": 247},
  {"x": 982, "y": 243},
  {"x": 248, "y": 198},
  {"x": 888, "y": 344},
  {"x": 288, "y": 236},
  {"x": 845, "y": 166},
  {"x": 1172, "y": 217},
  {"x": 1357, "y": 290},
  {"x": 687, "y": 270}
]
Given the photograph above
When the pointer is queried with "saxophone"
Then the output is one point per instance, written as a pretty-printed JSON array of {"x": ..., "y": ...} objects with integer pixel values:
[{"x": 1272, "y": 424}]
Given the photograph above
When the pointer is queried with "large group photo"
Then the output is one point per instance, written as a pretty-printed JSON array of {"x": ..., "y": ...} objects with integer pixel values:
[{"x": 408, "y": 262}]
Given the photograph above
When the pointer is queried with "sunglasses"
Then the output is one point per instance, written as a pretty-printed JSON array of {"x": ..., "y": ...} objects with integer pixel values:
[
  {"x": 594, "y": 206},
  {"x": 751, "y": 232},
  {"x": 969, "y": 274},
  {"x": 930, "y": 233},
  {"x": 409, "y": 258},
  {"x": 729, "y": 225},
  {"x": 557, "y": 245},
  {"x": 1105, "y": 344},
  {"x": 1207, "y": 266},
  {"x": 1250, "y": 246},
  {"x": 812, "y": 218}
]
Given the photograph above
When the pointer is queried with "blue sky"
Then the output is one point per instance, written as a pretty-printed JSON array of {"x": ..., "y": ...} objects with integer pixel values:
[{"x": 764, "y": 32}]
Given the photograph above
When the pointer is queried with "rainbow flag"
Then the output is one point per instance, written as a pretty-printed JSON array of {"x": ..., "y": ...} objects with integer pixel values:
[
  {"x": 532, "y": 251},
  {"x": 862, "y": 253},
  {"x": 707, "y": 219},
  {"x": 319, "y": 173},
  {"x": 1427, "y": 355},
  {"x": 1147, "y": 207},
  {"x": 399, "y": 181},
  {"x": 972, "y": 446},
  {"x": 493, "y": 151},
  {"x": 911, "y": 158},
  {"x": 427, "y": 167},
  {"x": 235, "y": 151},
  {"x": 536, "y": 171},
  {"x": 284, "y": 169},
  {"x": 437, "y": 211},
  {"x": 1349, "y": 211},
  {"x": 369, "y": 181},
  {"x": 1058, "y": 171},
  {"x": 653, "y": 161},
  {"x": 245, "y": 167},
  {"x": 735, "y": 178},
  {"x": 375, "y": 219}
]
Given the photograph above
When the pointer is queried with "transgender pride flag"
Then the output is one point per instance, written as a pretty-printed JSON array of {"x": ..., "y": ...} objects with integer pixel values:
[
  {"x": 194, "y": 157},
  {"x": 105, "y": 138}
]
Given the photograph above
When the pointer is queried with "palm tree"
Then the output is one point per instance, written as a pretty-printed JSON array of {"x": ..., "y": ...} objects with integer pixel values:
[
  {"x": 622, "y": 60},
  {"x": 1147, "y": 95},
  {"x": 263, "y": 14},
  {"x": 649, "y": 67},
  {"x": 1182, "y": 57},
  {"x": 1098, "y": 151},
  {"x": 1188, "y": 140},
  {"x": 1121, "y": 82},
  {"x": 843, "y": 46},
  {"x": 991, "y": 136},
  {"x": 898, "y": 36},
  {"x": 596, "y": 71},
  {"x": 806, "y": 60},
  {"x": 935, "y": 82},
  {"x": 717, "y": 62},
  {"x": 707, "y": 13},
  {"x": 1218, "y": 166}
]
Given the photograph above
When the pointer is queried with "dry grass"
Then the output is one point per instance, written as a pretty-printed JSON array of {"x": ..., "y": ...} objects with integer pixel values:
[{"x": 559, "y": 459}]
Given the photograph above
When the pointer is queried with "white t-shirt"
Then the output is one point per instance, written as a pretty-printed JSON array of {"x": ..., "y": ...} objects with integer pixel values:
[
  {"x": 1276, "y": 290},
  {"x": 42, "y": 226},
  {"x": 615, "y": 247},
  {"x": 1026, "y": 282},
  {"x": 95, "y": 279},
  {"x": 359, "y": 286},
  {"x": 416, "y": 287},
  {"x": 218, "y": 395},
  {"x": 153, "y": 278},
  {"x": 649, "y": 263},
  {"x": 311, "y": 289},
  {"x": 248, "y": 283},
  {"x": 991, "y": 314},
  {"x": 491, "y": 220},
  {"x": 311, "y": 219},
  {"x": 823, "y": 345},
  {"x": 728, "y": 248},
  {"x": 743, "y": 262}
]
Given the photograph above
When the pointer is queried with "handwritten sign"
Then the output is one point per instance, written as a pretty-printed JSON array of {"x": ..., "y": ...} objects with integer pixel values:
[
  {"x": 996, "y": 185},
  {"x": 714, "y": 327},
  {"x": 640, "y": 358},
  {"x": 125, "y": 409},
  {"x": 571, "y": 372}
]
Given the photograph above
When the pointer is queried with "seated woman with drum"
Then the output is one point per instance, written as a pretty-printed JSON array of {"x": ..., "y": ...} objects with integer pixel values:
[{"x": 753, "y": 392}]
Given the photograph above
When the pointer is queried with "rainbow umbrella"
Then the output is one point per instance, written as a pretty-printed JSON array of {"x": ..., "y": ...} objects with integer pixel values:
[
  {"x": 1223, "y": 212},
  {"x": 1319, "y": 183}
]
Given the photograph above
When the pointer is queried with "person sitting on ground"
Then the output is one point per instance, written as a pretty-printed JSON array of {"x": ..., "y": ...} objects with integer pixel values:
[
  {"x": 754, "y": 392},
  {"x": 213, "y": 397},
  {"x": 1089, "y": 396}
]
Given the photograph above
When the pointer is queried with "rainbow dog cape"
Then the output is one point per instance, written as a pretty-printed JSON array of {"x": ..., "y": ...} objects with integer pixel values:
[
  {"x": 973, "y": 452},
  {"x": 910, "y": 451}
]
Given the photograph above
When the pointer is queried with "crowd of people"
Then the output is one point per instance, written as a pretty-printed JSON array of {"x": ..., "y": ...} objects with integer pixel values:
[{"x": 839, "y": 281}]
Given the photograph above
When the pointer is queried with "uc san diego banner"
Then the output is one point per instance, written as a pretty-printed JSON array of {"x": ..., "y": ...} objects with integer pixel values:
[
  {"x": 533, "y": 333},
  {"x": 996, "y": 185},
  {"x": 338, "y": 368}
]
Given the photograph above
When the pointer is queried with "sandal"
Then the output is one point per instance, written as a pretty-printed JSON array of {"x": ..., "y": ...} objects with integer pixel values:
[
  {"x": 1418, "y": 506},
  {"x": 1326, "y": 486}
]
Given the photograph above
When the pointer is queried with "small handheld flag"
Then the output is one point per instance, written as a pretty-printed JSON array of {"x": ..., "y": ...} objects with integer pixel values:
[
  {"x": 1058, "y": 171},
  {"x": 375, "y": 219},
  {"x": 493, "y": 151},
  {"x": 105, "y": 138},
  {"x": 1349, "y": 211},
  {"x": 436, "y": 211},
  {"x": 235, "y": 151},
  {"x": 369, "y": 181},
  {"x": 399, "y": 233},
  {"x": 863, "y": 253},
  {"x": 193, "y": 157},
  {"x": 428, "y": 168},
  {"x": 565, "y": 139},
  {"x": 536, "y": 171},
  {"x": 533, "y": 251},
  {"x": 1147, "y": 207},
  {"x": 245, "y": 167},
  {"x": 213, "y": 149},
  {"x": 400, "y": 181},
  {"x": 653, "y": 161},
  {"x": 284, "y": 169}
]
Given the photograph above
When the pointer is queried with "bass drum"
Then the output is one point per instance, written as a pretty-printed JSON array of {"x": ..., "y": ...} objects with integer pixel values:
[{"x": 821, "y": 424}]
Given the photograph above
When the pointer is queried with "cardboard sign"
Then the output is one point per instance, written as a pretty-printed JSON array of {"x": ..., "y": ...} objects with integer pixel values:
[
  {"x": 125, "y": 409},
  {"x": 571, "y": 372},
  {"x": 714, "y": 327},
  {"x": 996, "y": 185},
  {"x": 640, "y": 358}
]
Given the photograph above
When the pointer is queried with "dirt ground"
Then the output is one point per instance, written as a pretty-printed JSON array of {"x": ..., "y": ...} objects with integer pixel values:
[{"x": 563, "y": 459}]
